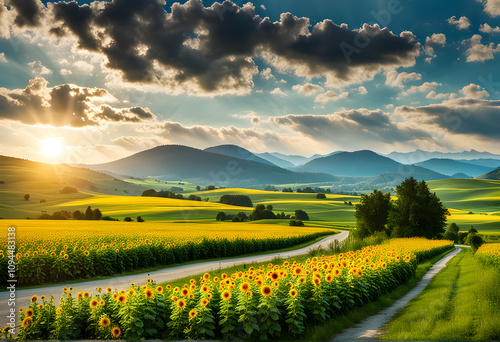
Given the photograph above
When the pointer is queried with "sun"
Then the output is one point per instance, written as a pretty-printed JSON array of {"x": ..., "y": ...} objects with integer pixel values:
[{"x": 52, "y": 147}]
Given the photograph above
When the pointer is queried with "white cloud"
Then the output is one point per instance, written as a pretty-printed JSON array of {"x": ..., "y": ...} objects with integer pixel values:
[
  {"x": 437, "y": 96},
  {"x": 278, "y": 92},
  {"x": 37, "y": 68},
  {"x": 491, "y": 7},
  {"x": 393, "y": 79},
  {"x": 437, "y": 39},
  {"x": 485, "y": 28},
  {"x": 330, "y": 96},
  {"x": 266, "y": 74},
  {"x": 474, "y": 91},
  {"x": 65, "y": 72},
  {"x": 308, "y": 89},
  {"x": 362, "y": 90},
  {"x": 462, "y": 24},
  {"x": 423, "y": 88},
  {"x": 263, "y": 7},
  {"x": 478, "y": 52},
  {"x": 83, "y": 66},
  {"x": 3, "y": 59}
]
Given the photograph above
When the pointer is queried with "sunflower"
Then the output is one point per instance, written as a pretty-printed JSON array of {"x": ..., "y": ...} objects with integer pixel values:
[
  {"x": 226, "y": 295},
  {"x": 276, "y": 284},
  {"x": 42, "y": 297},
  {"x": 329, "y": 278},
  {"x": 359, "y": 273},
  {"x": 297, "y": 270},
  {"x": 105, "y": 322},
  {"x": 149, "y": 293},
  {"x": 337, "y": 271},
  {"x": 174, "y": 298},
  {"x": 115, "y": 295},
  {"x": 192, "y": 314},
  {"x": 122, "y": 299},
  {"x": 109, "y": 289},
  {"x": 40, "y": 307},
  {"x": 266, "y": 290},
  {"x": 20, "y": 309},
  {"x": 116, "y": 332},
  {"x": 302, "y": 280},
  {"x": 209, "y": 296},
  {"x": 66, "y": 256},
  {"x": 204, "y": 302},
  {"x": 102, "y": 302},
  {"x": 86, "y": 253},
  {"x": 93, "y": 303},
  {"x": 176, "y": 289},
  {"x": 86, "y": 294},
  {"x": 181, "y": 304},
  {"x": 204, "y": 289},
  {"x": 293, "y": 293},
  {"x": 216, "y": 280},
  {"x": 59, "y": 310},
  {"x": 27, "y": 322},
  {"x": 29, "y": 312},
  {"x": 131, "y": 292},
  {"x": 384, "y": 265},
  {"x": 79, "y": 295},
  {"x": 184, "y": 292},
  {"x": 159, "y": 289},
  {"x": 65, "y": 289},
  {"x": 34, "y": 299},
  {"x": 206, "y": 276},
  {"x": 244, "y": 287},
  {"x": 274, "y": 276}
]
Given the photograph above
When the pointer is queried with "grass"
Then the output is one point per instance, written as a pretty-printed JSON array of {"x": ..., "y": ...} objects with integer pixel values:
[
  {"x": 339, "y": 323},
  {"x": 462, "y": 302}
]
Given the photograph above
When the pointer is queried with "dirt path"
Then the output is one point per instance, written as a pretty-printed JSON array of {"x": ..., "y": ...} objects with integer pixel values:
[
  {"x": 371, "y": 328},
  {"x": 123, "y": 282}
]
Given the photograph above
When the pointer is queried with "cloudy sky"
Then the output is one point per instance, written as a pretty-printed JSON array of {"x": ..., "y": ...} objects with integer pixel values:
[{"x": 92, "y": 81}]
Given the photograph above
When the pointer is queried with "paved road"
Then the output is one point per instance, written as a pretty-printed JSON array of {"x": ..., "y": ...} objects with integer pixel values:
[
  {"x": 371, "y": 328},
  {"x": 23, "y": 296}
]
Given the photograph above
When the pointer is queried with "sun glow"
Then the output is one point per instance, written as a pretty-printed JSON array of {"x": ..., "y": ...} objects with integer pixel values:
[{"x": 52, "y": 147}]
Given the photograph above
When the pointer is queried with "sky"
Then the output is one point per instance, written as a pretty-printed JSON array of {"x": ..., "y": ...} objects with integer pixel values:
[{"x": 94, "y": 81}]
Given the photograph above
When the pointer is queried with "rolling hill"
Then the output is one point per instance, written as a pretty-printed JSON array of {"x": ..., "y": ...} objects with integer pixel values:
[
  {"x": 494, "y": 174},
  {"x": 276, "y": 161},
  {"x": 450, "y": 167},
  {"x": 366, "y": 163},
  {"x": 418, "y": 156},
  {"x": 238, "y": 152},
  {"x": 204, "y": 168}
]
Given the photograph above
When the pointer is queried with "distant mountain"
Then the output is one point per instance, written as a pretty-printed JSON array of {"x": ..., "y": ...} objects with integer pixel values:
[
  {"x": 238, "y": 152},
  {"x": 276, "y": 161},
  {"x": 495, "y": 174},
  {"x": 364, "y": 163},
  {"x": 450, "y": 167},
  {"x": 420, "y": 156},
  {"x": 297, "y": 160},
  {"x": 488, "y": 162},
  {"x": 460, "y": 176},
  {"x": 204, "y": 168},
  {"x": 392, "y": 179}
]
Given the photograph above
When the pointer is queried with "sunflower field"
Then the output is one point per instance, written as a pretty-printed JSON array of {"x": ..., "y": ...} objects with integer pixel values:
[
  {"x": 489, "y": 253},
  {"x": 264, "y": 302},
  {"x": 49, "y": 251}
]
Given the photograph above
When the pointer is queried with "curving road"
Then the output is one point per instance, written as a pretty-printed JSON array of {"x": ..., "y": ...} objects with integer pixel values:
[{"x": 23, "y": 296}]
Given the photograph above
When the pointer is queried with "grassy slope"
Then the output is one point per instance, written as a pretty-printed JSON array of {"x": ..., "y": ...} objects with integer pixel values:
[{"x": 461, "y": 303}]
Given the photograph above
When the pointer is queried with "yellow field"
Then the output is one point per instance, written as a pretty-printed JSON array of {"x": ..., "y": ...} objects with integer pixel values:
[{"x": 30, "y": 233}]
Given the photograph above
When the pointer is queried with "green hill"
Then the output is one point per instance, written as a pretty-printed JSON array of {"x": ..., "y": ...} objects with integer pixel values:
[{"x": 494, "y": 174}]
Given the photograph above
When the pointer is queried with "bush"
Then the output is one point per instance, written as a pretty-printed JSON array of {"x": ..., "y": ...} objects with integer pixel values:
[
  {"x": 108, "y": 218},
  {"x": 301, "y": 215},
  {"x": 69, "y": 190},
  {"x": 320, "y": 196},
  {"x": 194, "y": 198},
  {"x": 474, "y": 240},
  {"x": 221, "y": 216},
  {"x": 237, "y": 219},
  {"x": 296, "y": 223},
  {"x": 27, "y": 197},
  {"x": 127, "y": 219},
  {"x": 238, "y": 200},
  {"x": 140, "y": 219},
  {"x": 42, "y": 201}
]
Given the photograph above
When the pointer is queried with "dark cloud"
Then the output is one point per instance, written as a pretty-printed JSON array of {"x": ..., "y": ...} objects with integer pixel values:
[
  {"x": 63, "y": 105},
  {"x": 210, "y": 50},
  {"x": 29, "y": 12},
  {"x": 347, "y": 126},
  {"x": 459, "y": 116}
]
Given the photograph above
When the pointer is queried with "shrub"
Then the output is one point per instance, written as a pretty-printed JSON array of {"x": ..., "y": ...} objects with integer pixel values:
[
  {"x": 301, "y": 215},
  {"x": 238, "y": 200},
  {"x": 140, "y": 219},
  {"x": 221, "y": 216},
  {"x": 296, "y": 223},
  {"x": 69, "y": 190},
  {"x": 128, "y": 219},
  {"x": 320, "y": 196},
  {"x": 27, "y": 197}
]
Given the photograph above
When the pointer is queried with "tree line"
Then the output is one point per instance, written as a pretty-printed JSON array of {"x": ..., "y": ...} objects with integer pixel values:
[{"x": 170, "y": 194}]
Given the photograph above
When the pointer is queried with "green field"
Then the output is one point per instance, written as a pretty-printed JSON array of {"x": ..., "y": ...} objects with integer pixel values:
[{"x": 471, "y": 201}]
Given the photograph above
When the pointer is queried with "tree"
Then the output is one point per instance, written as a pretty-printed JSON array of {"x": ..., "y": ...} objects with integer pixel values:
[
  {"x": 198, "y": 188},
  {"x": 237, "y": 219},
  {"x": 89, "y": 214},
  {"x": 320, "y": 196},
  {"x": 239, "y": 200},
  {"x": 68, "y": 190},
  {"x": 221, "y": 216},
  {"x": 451, "y": 232},
  {"x": 27, "y": 197},
  {"x": 261, "y": 213},
  {"x": 96, "y": 215},
  {"x": 301, "y": 215},
  {"x": 297, "y": 223},
  {"x": 78, "y": 215},
  {"x": 210, "y": 187},
  {"x": 127, "y": 219},
  {"x": 417, "y": 211},
  {"x": 287, "y": 190},
  {"x": 474, "y": 240},
  {"x": 140, "y": 219},
  {"x": 308, "y": 190},
  {"x": 269, "y": 207},
  {"x": 194, "y": 198},
  {"x": 372, "y": 212},
  {"x": 472, "y": 230}
]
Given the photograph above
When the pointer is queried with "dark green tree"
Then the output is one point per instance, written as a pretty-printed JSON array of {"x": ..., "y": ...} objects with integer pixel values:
[
  {"x": 417, "y": 211},
  {"x": 372, "y": 212},
  {"x": 128, "y": 219},
  {"x": 77, "y": 215},
  {"x": 221, "y": 216},
  {"x": 96, "y": 215},
  {"x": 301, "y": 215},
  {"x": 269, "y": 207},
  {"x": 140, "y": 219},
  {"x": 27, "y": 197},
  {"x": 89, "y": 214},
  {"x": 320, "y": 196},
  {"x": 451, "y": 232},
  {"x": 239, "y": 200}
]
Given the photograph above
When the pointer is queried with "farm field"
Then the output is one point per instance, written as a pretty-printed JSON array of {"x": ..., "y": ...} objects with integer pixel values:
[
  {"x": 262, "y": 302},
  {"x": 48, "y": 251}
]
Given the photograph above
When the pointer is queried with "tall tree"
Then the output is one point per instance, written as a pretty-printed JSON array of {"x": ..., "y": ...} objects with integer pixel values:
[
  {"x": 372, "y": 212},
  {"x": 417, "y": 211},
  {"x": 89, "y": 213}
]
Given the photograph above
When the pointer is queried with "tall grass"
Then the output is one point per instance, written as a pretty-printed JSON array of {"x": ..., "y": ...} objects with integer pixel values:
[{"x": 462, "y": 302}]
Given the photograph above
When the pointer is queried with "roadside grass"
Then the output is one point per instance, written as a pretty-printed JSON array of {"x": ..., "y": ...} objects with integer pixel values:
[
  {"x": 462, "y": 302},
  {"x": 337, "y": 324}
]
